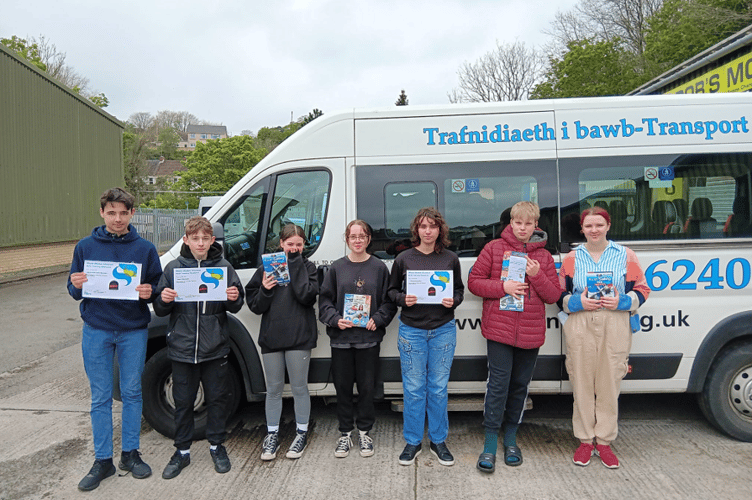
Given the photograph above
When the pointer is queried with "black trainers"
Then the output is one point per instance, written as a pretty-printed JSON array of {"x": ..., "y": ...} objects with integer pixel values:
[
  {"x": 366, "y": 444},
  {"x": 221, "y": 460},
  {"x": 344, "y": 443},
  {"x": 270, "y": 446},
  {"x": 131, "y": 461},
  {"x": 101, "y": 469},
  {"x": 407, "y": 457},
  {"x": 442, "y": 453},
  {"x": 298, "y": 445},
  {"x": 177, "y": 463}
]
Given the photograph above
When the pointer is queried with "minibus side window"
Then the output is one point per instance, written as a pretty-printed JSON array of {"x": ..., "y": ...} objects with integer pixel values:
[
  {"x": 475, "y": 206},
  {"x": 666, "y": 197},
  {"x": 470, "y": 195},
  {"x": 242, "y": 228},
  {"x": 300, "y": 198}
]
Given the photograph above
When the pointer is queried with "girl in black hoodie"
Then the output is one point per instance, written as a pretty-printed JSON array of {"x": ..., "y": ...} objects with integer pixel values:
[{"x": 288, "y": 333}]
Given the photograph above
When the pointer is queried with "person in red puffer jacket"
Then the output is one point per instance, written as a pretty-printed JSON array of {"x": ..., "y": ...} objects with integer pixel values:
[{"x": 512, "y": 337}]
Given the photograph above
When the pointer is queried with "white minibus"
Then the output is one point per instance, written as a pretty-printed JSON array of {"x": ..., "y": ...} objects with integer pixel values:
[{"x": 675, "y": 173}]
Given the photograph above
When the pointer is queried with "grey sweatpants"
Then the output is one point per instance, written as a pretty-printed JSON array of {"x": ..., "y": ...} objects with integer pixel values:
[{"x": 296, "y": 363}]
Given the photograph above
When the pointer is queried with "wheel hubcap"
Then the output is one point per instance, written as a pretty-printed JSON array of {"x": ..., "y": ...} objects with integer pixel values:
[
  {"x": 740, "y": 392},
  {"x": 198, "y": 405}
]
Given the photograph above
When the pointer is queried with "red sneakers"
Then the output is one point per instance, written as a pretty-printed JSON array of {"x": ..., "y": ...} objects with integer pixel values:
[
  {"x": 607, "y": 456},
  {"x": 583, "y": 454}
]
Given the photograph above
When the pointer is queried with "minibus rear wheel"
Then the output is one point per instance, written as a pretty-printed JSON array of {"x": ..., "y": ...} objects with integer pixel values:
[
  {"x": 726, "y": 398},
  {"x": 159, "y": 405}
]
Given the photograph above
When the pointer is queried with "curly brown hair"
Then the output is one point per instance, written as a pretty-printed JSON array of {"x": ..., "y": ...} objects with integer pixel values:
[{"x": 435, "y": 216}]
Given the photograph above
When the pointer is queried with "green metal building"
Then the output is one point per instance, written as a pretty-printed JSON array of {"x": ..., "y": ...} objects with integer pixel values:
[{"x": 58, "y": 153}]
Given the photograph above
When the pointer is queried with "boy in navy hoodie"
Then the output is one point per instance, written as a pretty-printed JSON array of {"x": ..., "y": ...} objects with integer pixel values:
[
  {"x": 115, "y": 328},
  {"x": 197, "y": 344}
]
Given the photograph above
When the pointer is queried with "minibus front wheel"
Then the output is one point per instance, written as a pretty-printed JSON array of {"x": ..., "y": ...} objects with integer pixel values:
[
  {"x": 159, "y": 405},
  {"x": 726, "y": 398}
]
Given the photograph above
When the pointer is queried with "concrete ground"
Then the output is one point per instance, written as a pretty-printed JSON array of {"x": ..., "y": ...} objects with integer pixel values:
[{"x": 667, "y": 449}]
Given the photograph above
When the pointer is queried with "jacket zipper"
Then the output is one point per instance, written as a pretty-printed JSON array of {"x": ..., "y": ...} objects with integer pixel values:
[{"x": 198, "y": 322}]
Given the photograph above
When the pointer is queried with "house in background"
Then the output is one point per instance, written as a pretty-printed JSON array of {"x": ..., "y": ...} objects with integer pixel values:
[
  {"x": 162, "y": 169},
  {"x": 202, "y": 133}
]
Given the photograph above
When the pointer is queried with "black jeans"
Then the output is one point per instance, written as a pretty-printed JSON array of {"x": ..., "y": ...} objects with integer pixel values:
[
  {"x": 359, "y": 366},
  {"x": 185, "y": 381},
  {"x": 509, "y": 372}
]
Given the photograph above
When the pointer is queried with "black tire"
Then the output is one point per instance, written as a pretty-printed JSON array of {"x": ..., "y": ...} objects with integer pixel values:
[
  {"x": 726, "y": 398},
  {"x": 159, "y": 408}
]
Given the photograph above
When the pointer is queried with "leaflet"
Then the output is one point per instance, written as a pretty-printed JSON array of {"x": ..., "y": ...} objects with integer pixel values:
[
  {"x": 200, "y": 284},
  {"x": 513, "y": 268},
  {"x": 600, "y": 284},
  {"x": 276, "y": 265},
  {"x": 357, "y": 308},
  {"x": 431, "y": 287},
  {"x": 111, "y": 280}
]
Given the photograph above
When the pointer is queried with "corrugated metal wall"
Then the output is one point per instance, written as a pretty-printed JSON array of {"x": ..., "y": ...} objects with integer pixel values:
[{"x": 58, "y": 153}]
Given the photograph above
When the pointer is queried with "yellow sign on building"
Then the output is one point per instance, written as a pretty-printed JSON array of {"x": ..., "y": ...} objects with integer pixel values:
[{"x": 735, "y": 76}]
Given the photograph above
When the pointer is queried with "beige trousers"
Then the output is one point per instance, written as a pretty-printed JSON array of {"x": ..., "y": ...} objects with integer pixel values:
[{"x": 598, "y": 344}]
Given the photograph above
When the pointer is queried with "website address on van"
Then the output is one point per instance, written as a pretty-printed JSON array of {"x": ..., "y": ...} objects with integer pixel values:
[{"x": 647, "y": 322}]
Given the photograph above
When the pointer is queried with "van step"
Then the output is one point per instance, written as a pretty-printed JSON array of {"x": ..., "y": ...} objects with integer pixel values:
[{"x": 460, "y": 403}]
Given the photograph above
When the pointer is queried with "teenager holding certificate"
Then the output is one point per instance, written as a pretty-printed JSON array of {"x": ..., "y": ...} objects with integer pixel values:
[
  {"x": 427, "y": 336},
  {"x": 353, "y": 282},
  {"x": 112, "y": 328},
  {"x": 598, "y": 333}
]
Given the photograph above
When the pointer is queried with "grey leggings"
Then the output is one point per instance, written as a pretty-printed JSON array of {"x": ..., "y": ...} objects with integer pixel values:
[{"x": 297, "y": 369}]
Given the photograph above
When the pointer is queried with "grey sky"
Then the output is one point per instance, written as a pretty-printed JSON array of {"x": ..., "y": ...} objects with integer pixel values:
[{"x": 250, "y": 64}]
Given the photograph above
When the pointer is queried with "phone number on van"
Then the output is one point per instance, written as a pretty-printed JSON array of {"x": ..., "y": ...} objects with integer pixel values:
[{"x": 710, "y": 274}]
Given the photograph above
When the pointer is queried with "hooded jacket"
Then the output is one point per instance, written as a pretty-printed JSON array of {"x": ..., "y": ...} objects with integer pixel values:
[
  {"x": 288, "y": 321},
  {"x": 525, "y": 329},
  {"x": 197, "y": 331},
  {"x": 118, "y": 315}
]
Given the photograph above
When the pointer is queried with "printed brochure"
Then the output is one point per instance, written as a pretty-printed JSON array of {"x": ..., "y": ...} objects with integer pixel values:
[
  {"x": 276, "y": 265},
  {"x": 600, "y": 284},
  {"x": 357, "y": 309},
  {"x": 513, "y": 269}
]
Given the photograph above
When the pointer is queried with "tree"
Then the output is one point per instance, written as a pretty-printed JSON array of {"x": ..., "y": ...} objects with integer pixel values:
[
  {"x": 179, "y": 120},
  {"x": 27, "y": 50},
  {"x": 605, "y": 21},
  {"x": 507, "y": 73},
  {"x": 44, "y": 55},
  {"x": 683, "y": 28},
  {"x": 214, "y": 167},
  {"x": 306, "y": 119},
  {"x": 134, "y": 164},
  {"x": 167, "y": 144},
  {"x": 269, "y": 138},
  {"x": 402, "y": 99},
  {"x": 141, "y": 121},
  {"x": 589, "y": 69}
]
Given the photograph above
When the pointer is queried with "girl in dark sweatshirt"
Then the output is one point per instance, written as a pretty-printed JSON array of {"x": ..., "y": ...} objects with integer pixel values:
[
  {"x": 288, "y": 333},
  {"x": 356, "y": 341}
]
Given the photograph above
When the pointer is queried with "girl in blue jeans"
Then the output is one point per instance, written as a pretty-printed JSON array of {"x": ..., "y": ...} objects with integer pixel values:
[{"x": 427, "y": 335}]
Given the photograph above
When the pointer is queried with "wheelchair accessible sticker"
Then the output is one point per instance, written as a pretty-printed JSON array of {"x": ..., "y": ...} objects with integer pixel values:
[{"x": 659, "y": 177}]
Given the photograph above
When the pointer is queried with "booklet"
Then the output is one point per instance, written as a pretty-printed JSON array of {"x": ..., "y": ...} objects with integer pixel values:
[
  {"x": 357, "y": 309},
  {"x": 431, "y": 287},
  {"x": 600, "y": 284},
  {"x": 513, "y": 268},
  {"x": 111, "y": 280},
  {"x": 276, "y": 265},
  {"x": 200, "y": 284}
]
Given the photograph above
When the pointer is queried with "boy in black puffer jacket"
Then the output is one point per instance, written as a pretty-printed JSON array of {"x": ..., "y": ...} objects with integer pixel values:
[{"x": 197, "y": 343}]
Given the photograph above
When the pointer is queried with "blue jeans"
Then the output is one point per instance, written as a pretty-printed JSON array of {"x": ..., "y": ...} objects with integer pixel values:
[
  {"x": 426, "y": 359},
  {"x": 99, "y": 349}
]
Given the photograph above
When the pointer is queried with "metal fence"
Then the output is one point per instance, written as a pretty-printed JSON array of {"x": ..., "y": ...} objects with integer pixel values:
[{"x": 162, "y": 227}]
